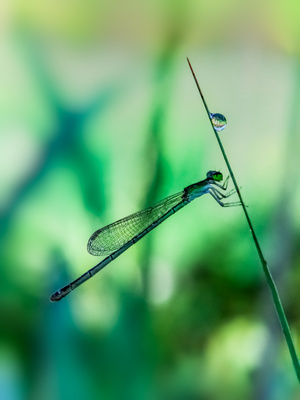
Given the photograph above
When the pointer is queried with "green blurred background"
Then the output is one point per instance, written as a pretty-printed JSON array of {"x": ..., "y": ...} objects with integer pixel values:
[{"x": 100, "y": 117}]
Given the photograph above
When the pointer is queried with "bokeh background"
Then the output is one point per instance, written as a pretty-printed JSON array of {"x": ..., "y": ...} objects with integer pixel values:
[{"x": 100, "y": 117}]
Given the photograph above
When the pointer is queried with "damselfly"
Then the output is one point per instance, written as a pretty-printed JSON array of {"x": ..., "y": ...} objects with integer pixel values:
[{"x": 117, "y": 237}]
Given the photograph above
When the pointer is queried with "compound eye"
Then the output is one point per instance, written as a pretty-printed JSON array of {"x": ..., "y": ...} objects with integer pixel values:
[{"x": 217, "y": 176}]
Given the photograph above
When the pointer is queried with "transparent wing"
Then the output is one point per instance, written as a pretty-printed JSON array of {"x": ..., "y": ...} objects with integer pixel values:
[{"x": 110, "y": 238}]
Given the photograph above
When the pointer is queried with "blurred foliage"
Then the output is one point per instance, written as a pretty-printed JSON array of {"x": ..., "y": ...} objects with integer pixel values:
[{"x": 100, "y": 117}]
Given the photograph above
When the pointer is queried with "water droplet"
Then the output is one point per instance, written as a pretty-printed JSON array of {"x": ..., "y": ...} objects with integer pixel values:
[{"x": 219, "y": 121}]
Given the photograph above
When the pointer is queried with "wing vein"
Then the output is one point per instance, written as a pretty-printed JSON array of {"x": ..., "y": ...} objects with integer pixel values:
[{"x": 113, "y": 236}]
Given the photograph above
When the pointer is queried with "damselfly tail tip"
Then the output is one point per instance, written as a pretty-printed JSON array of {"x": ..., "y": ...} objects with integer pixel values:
[{"x": 55, "y": 296}]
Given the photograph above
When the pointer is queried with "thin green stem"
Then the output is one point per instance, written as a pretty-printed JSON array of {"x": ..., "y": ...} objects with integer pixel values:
[{"x": 271, "y": 283}]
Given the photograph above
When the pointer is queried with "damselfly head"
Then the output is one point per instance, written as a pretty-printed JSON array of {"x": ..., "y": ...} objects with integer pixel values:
[{"x": 214, "y": 175}]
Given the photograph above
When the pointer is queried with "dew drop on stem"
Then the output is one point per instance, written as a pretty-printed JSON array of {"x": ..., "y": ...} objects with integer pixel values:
[{"x": 219, "y": 121}]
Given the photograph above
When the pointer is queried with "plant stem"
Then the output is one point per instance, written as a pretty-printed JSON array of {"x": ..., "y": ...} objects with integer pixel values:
[{"x": 271, "y": 283}]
